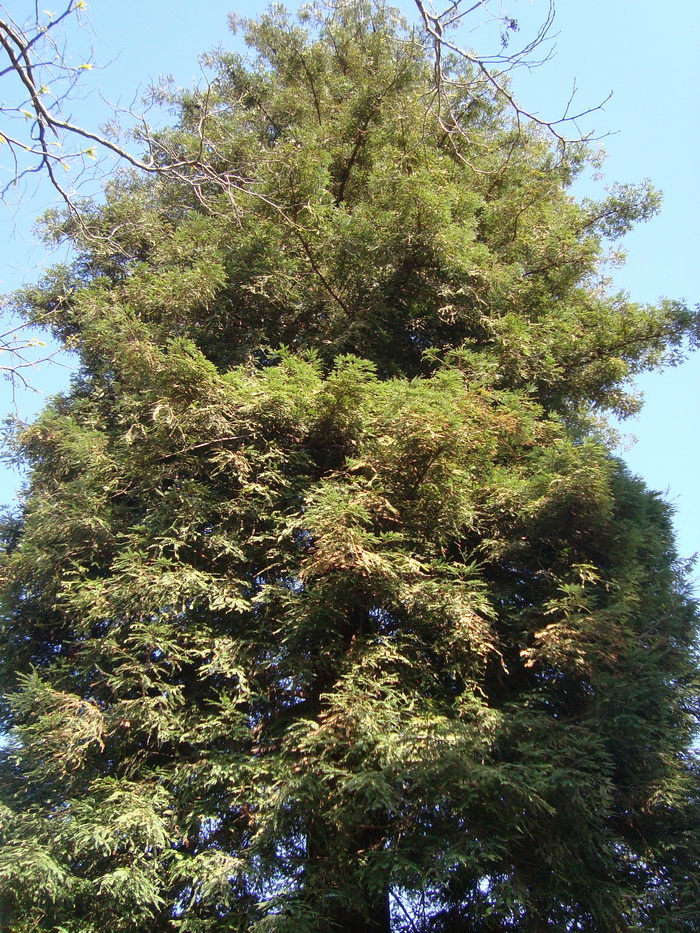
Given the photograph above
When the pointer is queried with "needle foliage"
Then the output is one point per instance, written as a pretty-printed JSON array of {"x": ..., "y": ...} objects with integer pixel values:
[{"x": 327, "y": 608}]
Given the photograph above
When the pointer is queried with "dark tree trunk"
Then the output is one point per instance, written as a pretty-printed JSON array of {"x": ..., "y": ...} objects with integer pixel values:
[
  {"x": 365, "y": 918},
  {"x": 366, "y": 913}
]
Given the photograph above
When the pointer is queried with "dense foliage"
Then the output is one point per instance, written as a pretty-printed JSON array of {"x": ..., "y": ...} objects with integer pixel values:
[{"x": 327, "y": 607}]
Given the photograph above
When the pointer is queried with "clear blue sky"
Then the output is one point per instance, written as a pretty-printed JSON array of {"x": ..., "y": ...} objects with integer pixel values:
[{"x": 647, "y": 54}]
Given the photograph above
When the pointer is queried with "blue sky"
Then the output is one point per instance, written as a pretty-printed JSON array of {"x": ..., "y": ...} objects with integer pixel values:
[{"x": 647, "y": 54}]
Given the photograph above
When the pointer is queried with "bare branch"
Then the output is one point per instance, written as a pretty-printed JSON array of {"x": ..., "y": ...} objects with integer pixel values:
[
  {"x": 494, "y": 69},
  {"x": 21, "y": 352}
]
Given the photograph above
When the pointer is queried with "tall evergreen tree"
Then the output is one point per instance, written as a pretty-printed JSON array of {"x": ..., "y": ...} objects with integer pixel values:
[{"x": 327, "y": 607}]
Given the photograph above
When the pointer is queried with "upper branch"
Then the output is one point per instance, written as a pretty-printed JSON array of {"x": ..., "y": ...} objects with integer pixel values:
[{"x": 493, "y": 69}]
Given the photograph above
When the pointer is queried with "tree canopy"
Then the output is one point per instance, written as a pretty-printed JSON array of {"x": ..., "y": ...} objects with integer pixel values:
[{"x": 327, "y": 606}]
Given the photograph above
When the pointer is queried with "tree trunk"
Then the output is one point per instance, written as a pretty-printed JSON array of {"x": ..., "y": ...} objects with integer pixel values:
[
  {"x": 366, "y": 913},
  {"x": 366, "y": 918}
]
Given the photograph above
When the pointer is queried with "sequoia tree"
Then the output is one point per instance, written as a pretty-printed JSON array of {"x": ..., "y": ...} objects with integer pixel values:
[{"x": 327, "y": 606}]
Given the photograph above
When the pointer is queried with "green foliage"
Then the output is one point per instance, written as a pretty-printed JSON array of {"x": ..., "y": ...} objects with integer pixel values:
[{"x": 326, "y": 608}]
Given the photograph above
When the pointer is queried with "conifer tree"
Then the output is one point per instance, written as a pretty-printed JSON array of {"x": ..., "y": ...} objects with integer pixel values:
[{"x": 327, "y": 607}]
